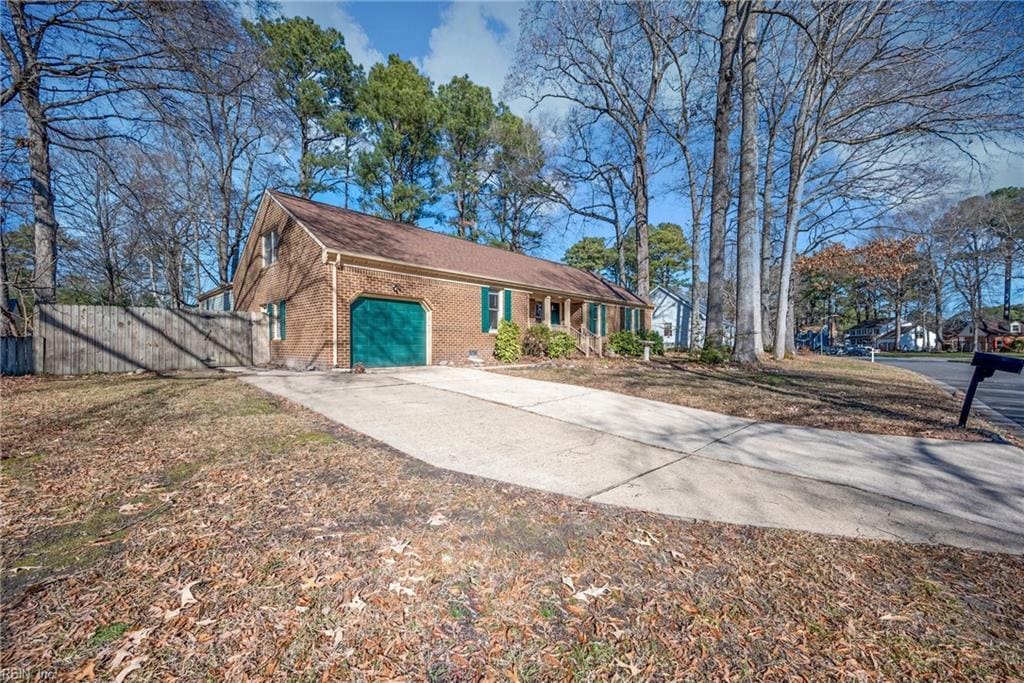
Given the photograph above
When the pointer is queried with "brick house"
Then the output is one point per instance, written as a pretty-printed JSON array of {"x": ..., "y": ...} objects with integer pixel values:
[
  {"x": 993, "y": 335},
  {"x": 342, "y": 287}
]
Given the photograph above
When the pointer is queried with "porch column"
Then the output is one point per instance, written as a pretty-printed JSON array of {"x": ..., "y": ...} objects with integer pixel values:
[
  {"x": 547, "y": 311},
  {"x": 567, "y": 313}
]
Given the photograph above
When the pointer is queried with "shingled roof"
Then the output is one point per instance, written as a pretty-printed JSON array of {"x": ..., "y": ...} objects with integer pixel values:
[{"x": 359, "y": 234}]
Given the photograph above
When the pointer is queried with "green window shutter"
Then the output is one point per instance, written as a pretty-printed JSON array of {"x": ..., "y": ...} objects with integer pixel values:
[
  {"x": 604, "y": 320},
  {"x": 485, "y": 318},
  {"x": 508, "y": 304},
  {"x": 628, "y": 312},
  {"x": 636, "y": 319},
  {"x": 280, "y": 319}
]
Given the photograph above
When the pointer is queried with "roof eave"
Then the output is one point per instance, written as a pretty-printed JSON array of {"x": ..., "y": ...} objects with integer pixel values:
[{"x": 490, "y": 280}]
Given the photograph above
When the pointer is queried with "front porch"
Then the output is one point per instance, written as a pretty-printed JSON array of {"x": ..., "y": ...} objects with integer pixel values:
[{"x": 588, "y": 322}]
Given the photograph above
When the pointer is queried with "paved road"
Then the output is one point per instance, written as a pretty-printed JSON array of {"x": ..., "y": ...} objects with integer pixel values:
[
  {"x": 620, "y": 450},
  {"x": 1003, "y": 392}
]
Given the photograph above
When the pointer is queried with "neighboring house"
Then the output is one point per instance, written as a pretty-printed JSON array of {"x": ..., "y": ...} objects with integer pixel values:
[
  {"x": 671, "y": 318},
  {"x": 993, "y": 335},
  {"x": 342, "y": 288},
  {"x": 913, "y": 338},
  {"x": 868, "y": 332},
  {"x": 216, "y": 299},
  {"x": 813, "y": 337}
]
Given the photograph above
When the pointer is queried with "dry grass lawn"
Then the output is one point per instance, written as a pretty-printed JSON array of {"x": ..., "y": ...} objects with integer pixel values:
[
  {"x": 811, "y": 391},
  {"x": 192, "y": 527}
]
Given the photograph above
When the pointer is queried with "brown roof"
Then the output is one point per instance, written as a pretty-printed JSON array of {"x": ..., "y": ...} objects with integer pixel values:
[{"x": 360, "y": 234}]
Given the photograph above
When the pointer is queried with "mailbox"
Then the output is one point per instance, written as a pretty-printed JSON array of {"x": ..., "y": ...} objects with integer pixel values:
[{"x": 986, "y": 365}]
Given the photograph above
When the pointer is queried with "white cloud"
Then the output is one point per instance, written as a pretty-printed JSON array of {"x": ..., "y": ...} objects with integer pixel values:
[
  {"x": 1000, "y": 166},
  {"x": 334, "y": 15},
  {"x": 478, "y": 40}
]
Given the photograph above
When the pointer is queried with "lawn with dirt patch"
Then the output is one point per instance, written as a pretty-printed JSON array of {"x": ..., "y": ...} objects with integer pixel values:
[
  {"x": 810, "y": 391},
  {"x": 192, "y": 527}
]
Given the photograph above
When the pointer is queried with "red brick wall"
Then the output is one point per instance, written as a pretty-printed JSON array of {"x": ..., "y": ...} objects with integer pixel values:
[
  {"x": 300, "y": 278},
  {"x": 304, "y": 282},
  {"x": 454, "y": 309}
]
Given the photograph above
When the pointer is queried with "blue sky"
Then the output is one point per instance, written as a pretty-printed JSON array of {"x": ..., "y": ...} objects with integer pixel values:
[{"x": 446, "y": 39}]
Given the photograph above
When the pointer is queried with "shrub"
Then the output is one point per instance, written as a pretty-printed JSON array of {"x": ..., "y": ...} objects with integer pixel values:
[
  {"x": 1017, "y": 345},
  {"x": 561, "y": 345},
  {"x": 536, "y": 340},
  {"x": 626, "y": 343},
  {"x": 657, "y": 342},
  {"x": 507, "y": 348},
  {"x": 713, "y": 355}
]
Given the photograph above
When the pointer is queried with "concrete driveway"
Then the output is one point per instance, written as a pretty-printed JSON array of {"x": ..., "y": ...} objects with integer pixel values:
[{"x": 621, "y": 450}]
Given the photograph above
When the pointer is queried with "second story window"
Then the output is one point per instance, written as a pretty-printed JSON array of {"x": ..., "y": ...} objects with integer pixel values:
[{"x": 271, "y": 241}]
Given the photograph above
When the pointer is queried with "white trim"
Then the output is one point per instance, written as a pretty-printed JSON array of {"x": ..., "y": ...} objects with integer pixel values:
[
  {"x": 275, "y": 247},
  {"x": 334, "y": 313},
  {"x": 501, "y": 308},
  {"x": 429, "y": 321},
  {"x": 300, "y": 223}
]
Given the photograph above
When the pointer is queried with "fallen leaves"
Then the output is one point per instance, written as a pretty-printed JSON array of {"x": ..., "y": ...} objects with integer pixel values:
[
  {"x": 353, "y": 561},
  {"x": 589, "y": 593},
  {"x": 437, "y": 519},
  {"x": 133, "y": 665},
  {"x": 185, "y": 593}
]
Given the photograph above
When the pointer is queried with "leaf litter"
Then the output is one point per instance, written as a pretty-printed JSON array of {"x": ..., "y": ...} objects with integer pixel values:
[{"x": 282, "y": 556}]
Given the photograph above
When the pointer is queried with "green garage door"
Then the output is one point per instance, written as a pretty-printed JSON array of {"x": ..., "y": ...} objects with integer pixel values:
[{"x": 387, "y": 333}]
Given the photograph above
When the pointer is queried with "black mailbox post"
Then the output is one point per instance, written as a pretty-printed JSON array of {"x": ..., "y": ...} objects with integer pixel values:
[{"x": 985, "y": 365}]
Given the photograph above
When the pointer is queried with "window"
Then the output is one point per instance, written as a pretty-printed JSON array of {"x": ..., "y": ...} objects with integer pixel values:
[
  {"x": 493, "y": 308},
  {"x": 1014, "y": 328},
  {"x": 271, "y": 242},
  {"x": 538, "y": 312},
  {"x": 667, "y": 332},
  {"x": 277, "y": 320}
]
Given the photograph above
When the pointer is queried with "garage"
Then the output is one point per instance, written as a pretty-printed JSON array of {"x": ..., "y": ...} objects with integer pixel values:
[{"x": 388, "y": 332}]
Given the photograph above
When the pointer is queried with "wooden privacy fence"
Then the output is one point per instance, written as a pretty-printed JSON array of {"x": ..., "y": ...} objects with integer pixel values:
[
  {"x": 16, "y": 356},
  {"x": 74, "y": 339}
]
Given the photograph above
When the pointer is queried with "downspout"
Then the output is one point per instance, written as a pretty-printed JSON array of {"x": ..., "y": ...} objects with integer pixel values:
[{"x": 334, "y": 313}]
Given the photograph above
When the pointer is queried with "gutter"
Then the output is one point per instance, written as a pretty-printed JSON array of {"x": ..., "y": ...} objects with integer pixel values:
[{"x": 332, "y": 260}]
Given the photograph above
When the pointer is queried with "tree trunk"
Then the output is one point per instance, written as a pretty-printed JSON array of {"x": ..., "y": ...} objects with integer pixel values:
[
  {"x": 784, "y": 342},
  {"x": 305, "y": 180},
  {"x": 766, "y": 237},
  {"x": 976, "y": 318},
  {"x": 640, "y": 198},
  {"x": 7, "y": 328},
  {"x": 899, "y": 326},
  {"x": 695, "y": 239},
  {"x": 1007, "y": 282},
  {"x": 748, "y": 344},
  {"x": 714, "y": 334},
  {"x": 620, "y": 247},
  {"x": 44, "y": 277}
]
